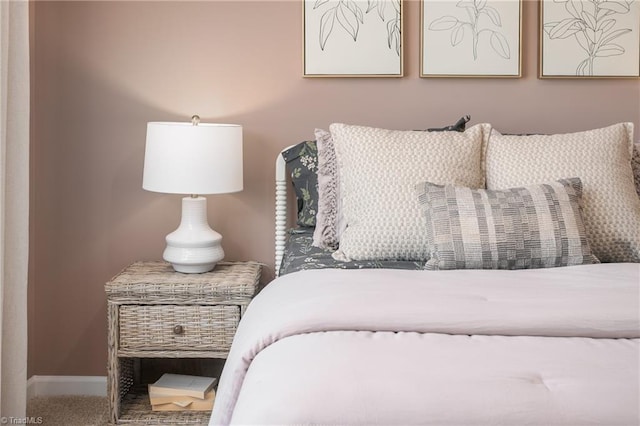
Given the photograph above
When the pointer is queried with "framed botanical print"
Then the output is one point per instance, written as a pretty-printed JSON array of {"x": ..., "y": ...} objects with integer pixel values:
[
  {"x": 470, "y": 38},
  {"x": 353, "y": 38},
  {"x": 589, "y": 38}
]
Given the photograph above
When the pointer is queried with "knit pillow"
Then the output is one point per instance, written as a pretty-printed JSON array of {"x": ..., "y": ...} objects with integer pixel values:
[
  {"x": 377, "y": 172},
  {"x": 329, "y": 218},
  {"x": 602, "y": 160},
  {"x": 537, "y": 226}
]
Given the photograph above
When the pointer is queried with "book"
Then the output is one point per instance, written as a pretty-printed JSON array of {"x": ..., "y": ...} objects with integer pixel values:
[
  {"x": 182, "y": 384},
  {"x": 156, "y": 398},
  {"x": 182, "y": 403}
]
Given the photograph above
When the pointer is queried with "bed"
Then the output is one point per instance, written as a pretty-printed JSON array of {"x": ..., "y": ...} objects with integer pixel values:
[{"x": 350, "y": 334}]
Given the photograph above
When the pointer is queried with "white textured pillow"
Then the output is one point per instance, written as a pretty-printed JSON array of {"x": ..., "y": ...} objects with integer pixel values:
[
  {"x": 329, "y": 219},
  {"x": 378, "y": 170},
  {"x": 601, "y": 158}
]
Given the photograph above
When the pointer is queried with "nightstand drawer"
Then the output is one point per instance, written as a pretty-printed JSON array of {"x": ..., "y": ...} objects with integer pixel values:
[{"x": 178, "y": 327}]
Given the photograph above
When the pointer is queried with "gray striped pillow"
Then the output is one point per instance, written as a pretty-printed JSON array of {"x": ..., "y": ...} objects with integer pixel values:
[{"x": 537, "y": 226}]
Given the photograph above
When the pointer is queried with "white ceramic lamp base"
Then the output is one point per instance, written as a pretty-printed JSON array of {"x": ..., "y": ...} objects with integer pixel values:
[{"x": 194, "y": 247}]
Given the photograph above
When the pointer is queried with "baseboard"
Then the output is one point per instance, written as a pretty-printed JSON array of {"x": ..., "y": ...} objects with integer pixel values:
[{"x": 66, "y": 385}]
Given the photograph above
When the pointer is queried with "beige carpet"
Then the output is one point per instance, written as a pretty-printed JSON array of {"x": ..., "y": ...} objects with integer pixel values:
[{"x": 69, "y": 410}]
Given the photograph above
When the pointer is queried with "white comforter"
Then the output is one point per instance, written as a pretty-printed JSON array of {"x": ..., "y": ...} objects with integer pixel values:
[{"x": 546, "y": 346}]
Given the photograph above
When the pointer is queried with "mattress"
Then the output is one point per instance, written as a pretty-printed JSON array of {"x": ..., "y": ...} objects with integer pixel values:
[{"x": 557, "y": 346}]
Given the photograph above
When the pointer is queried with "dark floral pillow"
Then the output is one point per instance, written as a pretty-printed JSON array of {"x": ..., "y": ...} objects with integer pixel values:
[
  {"x": 302, "y": 164},
  {"x": 458, "y": 126}
]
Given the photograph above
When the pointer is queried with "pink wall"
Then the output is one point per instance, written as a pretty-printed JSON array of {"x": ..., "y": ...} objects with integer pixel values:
[{"x": 101, "y": 70}]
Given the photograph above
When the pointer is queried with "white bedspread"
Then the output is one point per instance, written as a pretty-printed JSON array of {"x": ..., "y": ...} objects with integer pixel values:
[{"x": 545, "y": 346}]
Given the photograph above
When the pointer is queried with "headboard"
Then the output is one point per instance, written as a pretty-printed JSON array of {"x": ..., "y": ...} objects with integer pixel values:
[{"x": 282, "y": 180}]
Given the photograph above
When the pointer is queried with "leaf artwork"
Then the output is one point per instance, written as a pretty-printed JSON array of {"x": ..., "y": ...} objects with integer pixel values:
[
  {"x": 481, "y": 18},
  {"x": 348, "y": 16},
  {"x": 592, "y": 23}
]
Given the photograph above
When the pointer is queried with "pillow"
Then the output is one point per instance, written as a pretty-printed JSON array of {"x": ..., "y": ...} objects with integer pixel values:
[
  {"x": 538, "y": 226},
  {"x": 302, "y": 163},
  {"x": 377, "y": 173},
  {"x": 329, "y": 218},
  {"x": 458, "y": 126},
  {"x": 602, "y": 160}
]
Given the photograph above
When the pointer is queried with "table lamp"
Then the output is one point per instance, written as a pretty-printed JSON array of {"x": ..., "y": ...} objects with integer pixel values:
[{"x": 197, "y": 159}]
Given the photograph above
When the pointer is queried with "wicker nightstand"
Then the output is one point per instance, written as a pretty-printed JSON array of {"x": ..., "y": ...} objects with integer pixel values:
[{"x": 154, "y": 312}]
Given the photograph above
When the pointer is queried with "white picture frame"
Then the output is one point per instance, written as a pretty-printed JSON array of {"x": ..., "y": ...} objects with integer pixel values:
[
  {"x": 352, "y": 38},
  {"x": 589, "y": 39},
  {"x": 471, "y": 38}
]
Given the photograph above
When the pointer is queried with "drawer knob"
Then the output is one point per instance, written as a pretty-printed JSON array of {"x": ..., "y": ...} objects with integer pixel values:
[{"x": 178, "y": 329}]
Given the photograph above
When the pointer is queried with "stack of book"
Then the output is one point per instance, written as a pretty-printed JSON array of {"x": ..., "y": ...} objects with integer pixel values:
[{"x": 179, "y": 392}]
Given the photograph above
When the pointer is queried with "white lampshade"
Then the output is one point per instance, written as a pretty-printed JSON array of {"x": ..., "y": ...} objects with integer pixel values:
[
  {"x": 193, "y": 158},
  {"x": 182, "y": 158}
]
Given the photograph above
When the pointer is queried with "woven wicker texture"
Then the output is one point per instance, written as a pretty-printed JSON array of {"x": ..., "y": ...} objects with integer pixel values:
[
  {"x": 139, "y": 412},
  {"x": 157, "y": 282},
  {"x": 153, "y": 327},
  {"x": 155, "y": 312}
]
